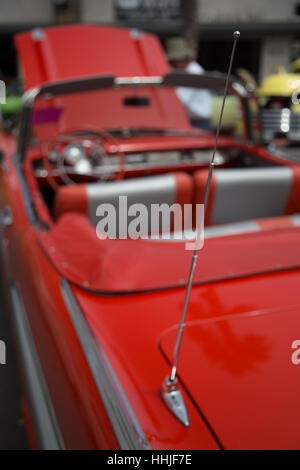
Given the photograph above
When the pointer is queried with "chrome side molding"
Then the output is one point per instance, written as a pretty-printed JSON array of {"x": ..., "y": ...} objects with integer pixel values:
[
  {"x": 45, "y": 422},
  {"x": 123, "y": 420}
]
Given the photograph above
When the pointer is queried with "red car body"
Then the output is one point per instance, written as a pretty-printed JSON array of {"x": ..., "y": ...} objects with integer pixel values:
[{"x": 94, "y": 349}]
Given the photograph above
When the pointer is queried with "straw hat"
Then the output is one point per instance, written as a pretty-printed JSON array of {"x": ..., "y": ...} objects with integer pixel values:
[{"x": 178, "y": 49}]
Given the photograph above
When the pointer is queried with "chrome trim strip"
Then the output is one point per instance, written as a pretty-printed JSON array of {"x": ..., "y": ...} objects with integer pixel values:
[
  {"x": 25, "y": 118},
  {"x": 235, "y": 228},
  {"x": 45, "y": 421},
  {"x": 221, "y": 230},
  {"x": 124, "y": 422},
  {"x": 26, "y": 196},
  {"x": 127, "y": 81}
]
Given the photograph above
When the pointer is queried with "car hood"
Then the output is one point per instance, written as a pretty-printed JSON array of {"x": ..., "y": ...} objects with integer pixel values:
[
  {"x": 240, "y": 374},
  {"x": 90, "y": 50},
  {"x": 54, "y": 54}
]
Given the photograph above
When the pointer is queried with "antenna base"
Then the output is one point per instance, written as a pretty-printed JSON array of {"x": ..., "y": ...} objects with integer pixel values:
[{"x": 173, "y": 399}]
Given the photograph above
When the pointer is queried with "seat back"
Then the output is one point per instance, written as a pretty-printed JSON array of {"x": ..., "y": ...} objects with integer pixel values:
[
  {"x": 249, "y": 193},
  {"x": 86, "y": 198}
]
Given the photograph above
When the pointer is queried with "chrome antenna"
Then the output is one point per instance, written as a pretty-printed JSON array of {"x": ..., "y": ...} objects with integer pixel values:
[{"x": 171, "y": 395}]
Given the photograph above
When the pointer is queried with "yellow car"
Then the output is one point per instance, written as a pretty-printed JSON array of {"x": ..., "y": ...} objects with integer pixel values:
[{"x": 279, "y": 98}]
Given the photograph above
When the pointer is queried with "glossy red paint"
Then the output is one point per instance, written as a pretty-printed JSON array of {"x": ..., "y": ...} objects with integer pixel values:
[
  {"x": 77, "y": 404},
  {"x": 71, "y": 386},
  {"x": 89, "y": 51},
  {"x": 43, "y": 60},
  {"x": 243, "y": 374},
  {"x": 140, "y": 366}
]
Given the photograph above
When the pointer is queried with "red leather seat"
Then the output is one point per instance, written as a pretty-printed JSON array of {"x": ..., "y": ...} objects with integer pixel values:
[
  {"x": 249, "y": 193},
  {"x": 85, "y": 198}
]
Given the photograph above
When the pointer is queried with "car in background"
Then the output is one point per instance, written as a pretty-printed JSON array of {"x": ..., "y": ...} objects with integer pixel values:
[{"x": 278, "y": 97}]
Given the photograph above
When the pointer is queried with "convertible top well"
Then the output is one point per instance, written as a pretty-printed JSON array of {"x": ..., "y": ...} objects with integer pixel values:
[{"x": 122, "y": 266}]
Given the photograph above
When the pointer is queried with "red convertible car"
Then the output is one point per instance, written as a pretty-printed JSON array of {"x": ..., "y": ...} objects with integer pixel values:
[{"x": 96, "y": 316}]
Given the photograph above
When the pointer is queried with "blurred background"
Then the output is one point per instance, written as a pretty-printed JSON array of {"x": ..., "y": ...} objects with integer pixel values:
[
  {"x": 270, "y": 29},
  {"x": 270, "y": 39}
]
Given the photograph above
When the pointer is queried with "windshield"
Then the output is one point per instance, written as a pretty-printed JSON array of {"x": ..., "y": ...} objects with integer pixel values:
[{"x": 134, "y": 110}]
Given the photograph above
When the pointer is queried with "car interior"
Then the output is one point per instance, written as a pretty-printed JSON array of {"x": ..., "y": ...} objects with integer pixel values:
[
  {"x": 82, "y": 167},
  {"x": 244, "y": 187}
]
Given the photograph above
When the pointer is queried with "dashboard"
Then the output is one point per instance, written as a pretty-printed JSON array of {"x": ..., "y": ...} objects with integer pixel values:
[{"x": 103, "y": 165}]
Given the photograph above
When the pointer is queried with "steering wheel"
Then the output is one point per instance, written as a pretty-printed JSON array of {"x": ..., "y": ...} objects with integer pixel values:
[{"x": 78, "y": 152}]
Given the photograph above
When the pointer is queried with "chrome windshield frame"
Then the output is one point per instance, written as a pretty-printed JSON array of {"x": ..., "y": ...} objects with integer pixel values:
[{"x": 208, "y": 81}]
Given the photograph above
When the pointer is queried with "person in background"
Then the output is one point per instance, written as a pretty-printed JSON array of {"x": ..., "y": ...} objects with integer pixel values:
[
  {"x": 197, "y": 102},
  {"x": 247, "y": 78}
]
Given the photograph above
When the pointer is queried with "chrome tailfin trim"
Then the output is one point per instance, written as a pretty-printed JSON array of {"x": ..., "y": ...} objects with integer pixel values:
[
  {"x": 124, "y": 422},
  {"x": 45, "y": 421}
]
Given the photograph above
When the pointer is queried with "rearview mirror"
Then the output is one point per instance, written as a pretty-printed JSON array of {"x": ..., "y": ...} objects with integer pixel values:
[{"x": 136, "y": 101}]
